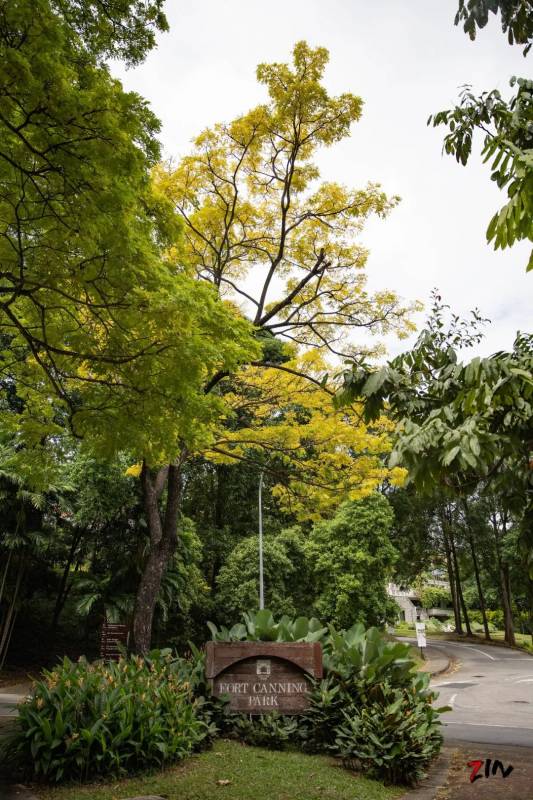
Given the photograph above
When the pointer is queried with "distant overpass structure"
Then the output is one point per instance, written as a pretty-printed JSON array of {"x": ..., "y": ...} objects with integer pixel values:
[{"x": 409, "y": 602}]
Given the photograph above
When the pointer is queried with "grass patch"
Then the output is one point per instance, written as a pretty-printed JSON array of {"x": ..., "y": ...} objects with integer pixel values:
[
  {"x": 523, "y": 640},
  {"x": 253, "y": 773}
]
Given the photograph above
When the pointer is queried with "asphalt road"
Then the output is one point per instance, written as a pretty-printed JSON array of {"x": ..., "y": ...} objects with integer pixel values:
[{"x": 491, "y": 694}]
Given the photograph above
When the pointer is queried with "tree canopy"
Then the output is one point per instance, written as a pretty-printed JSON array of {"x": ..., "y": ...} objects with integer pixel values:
[
  {"x": 458, "y": 423},
  {"x": 516, "y": 18},
  {"x": 507, "y": 130},
  {"x": 252, "y": 206}
]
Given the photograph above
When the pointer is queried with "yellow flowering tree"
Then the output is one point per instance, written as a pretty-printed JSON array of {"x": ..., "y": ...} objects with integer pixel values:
[
  {"x": 281, "y": 246},
  {"x": 282, "y": 420}
]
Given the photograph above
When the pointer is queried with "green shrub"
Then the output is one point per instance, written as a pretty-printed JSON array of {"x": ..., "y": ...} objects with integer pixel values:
[
  {"x": 434, "y": 625},
  {"x": 478, "y": 627},
  {"x": 358, "y": 665},
  {"x": 84, "y": 720},
  {"x": 495, "y": 617},
  {"x": 317, "y": 728},
  {"x": 392, "y": 737},
  {"x": 261, "y": 626},
  {"x": 435, "y": 597},
  {"x": 404, "y": 628},
  {"x": 265, "y": 730},
  {"x": 364, "y": 657}
]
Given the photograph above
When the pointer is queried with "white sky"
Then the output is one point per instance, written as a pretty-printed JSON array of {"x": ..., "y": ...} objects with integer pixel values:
[{"x": 406, "y": 59}]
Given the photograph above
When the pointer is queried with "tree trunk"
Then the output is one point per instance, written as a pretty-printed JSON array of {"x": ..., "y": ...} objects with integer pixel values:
[
  {"x": 480, "y": 590},
  {"x": 63, "y": 589},
  {"x": 163, "y": 543},
  {"x": 5, "y": 574},
  {"x": 8, "y": 622},
  {"x": 451, "y": 577},
  {"x": 503, "y": 574},
  {"x": 507, "y": 607},
  {"x": 459, "y": 588},
  {"x": 476, "y": 572}
]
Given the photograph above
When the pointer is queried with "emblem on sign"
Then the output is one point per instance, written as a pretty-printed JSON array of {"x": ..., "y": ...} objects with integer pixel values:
[{"x": 263, "y": 667}]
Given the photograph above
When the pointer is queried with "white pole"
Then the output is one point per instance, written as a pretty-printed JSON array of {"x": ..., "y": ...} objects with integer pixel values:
[{"x": 261, "y": 586}]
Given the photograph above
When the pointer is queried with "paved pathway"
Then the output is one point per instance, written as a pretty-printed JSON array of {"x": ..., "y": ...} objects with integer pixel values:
[{"x": 10, "y": 697}]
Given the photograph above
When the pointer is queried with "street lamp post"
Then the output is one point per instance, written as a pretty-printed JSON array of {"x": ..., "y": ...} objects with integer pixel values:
[{"x": 261, "y": 586}]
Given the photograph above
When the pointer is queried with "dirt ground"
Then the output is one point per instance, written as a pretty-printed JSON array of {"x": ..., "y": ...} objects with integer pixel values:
[
  {"x": 518, "y": 785},
  {"x": 14, "y": 676}
]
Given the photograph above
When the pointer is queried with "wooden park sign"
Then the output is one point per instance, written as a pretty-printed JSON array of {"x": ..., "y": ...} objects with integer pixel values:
[{"x": 260, "y": 677}]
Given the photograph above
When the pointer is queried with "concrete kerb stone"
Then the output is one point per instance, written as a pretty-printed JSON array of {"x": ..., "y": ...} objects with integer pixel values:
[
  {"x": 440, "y": 664},
  {"x": 441, "y": 670},
  {"x": 436, "y": 780}
]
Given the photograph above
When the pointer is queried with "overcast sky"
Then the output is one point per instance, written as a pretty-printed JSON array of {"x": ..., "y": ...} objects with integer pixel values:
[{"x": 406, "y": 59}]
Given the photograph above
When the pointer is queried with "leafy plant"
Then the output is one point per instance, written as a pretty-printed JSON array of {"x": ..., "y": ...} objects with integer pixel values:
[
  {"x": 367, "y": 658},
  {"x": 318, "y": 726},
  {"x": 265, "y": 730},
  {"x": 393, "y": 736},
  {"x": 435, "y": 597},
  {"x": 261, "y": 626},
  {"x": 84, "y": 720},
  {"x": 434, "y": 625}
]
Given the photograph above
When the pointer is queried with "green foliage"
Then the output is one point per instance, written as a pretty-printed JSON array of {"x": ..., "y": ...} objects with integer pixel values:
[
  {"x": 508, "y": 147},
  {"x": 393, "y": 737},
  {"x": 122, "y": 29},
  {"x": 516, "y": 18},
  {"x": 404, "y": 628},
  {"x": 350, "y": 557},
  {"x": 367, "y": 658},
  {"x": 266, "y": 730},
  {"x": 389, "y": 726},
  {"x": 435, "y": 597},
  {"x": 74, "y": 176},
  {"x": 494, "y": 617},
  {"x": 460, "y": 422},
  {"x": 261, "y": 626},
  {"x": 412, "y": 533},
  {"x": 434, "y": 625},
  {"x": 373, "y": 708},
  {"x": 92, "y": 308},
  {"x": 286, "y": 575},
  {"x": 84, "y": 720},
  {"x": 477, "y": 627}
]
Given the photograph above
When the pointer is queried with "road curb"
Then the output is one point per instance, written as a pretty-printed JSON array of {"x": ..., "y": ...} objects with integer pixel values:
[
  {"x": 433, "y": 673},
  {"x": 436, "y": 779},
  {"x": 437, "y": 672}
]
